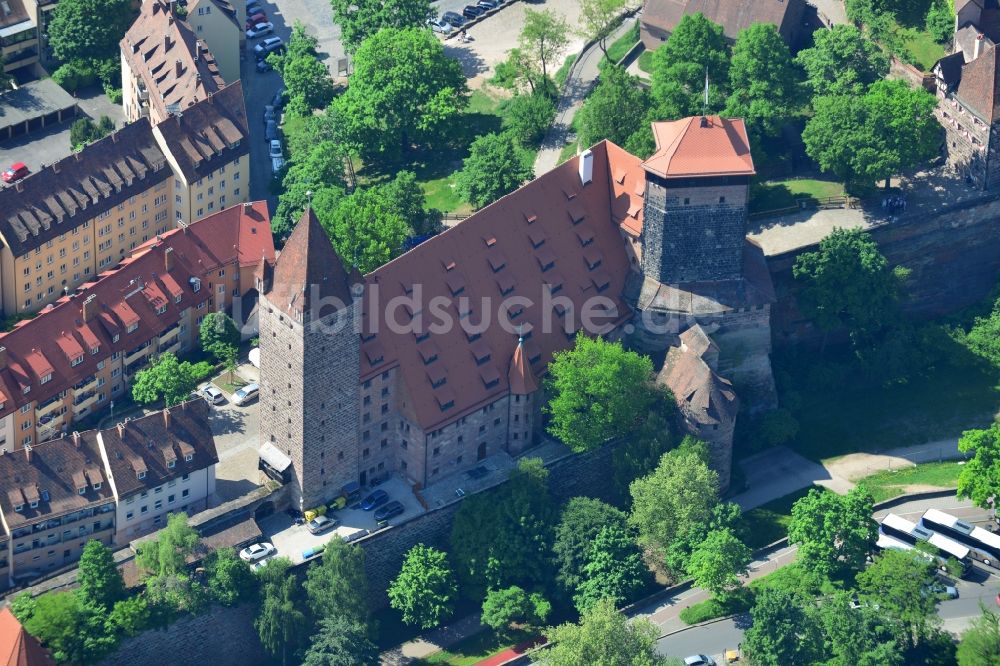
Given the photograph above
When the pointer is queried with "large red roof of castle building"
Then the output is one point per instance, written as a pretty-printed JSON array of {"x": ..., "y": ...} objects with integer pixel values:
[{"x": 701, "y": 146}]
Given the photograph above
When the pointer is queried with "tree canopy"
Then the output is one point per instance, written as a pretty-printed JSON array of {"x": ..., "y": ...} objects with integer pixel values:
[
  {"x": 543, "y": 38},
  {"x": 340, "y": 641},
  {"x": 307, "y": 80},
  {"x": 857, "y": 635},
  {"x": 338, "y": 586},
  {"x": 167, "y": 554},
  {"x": 165, "y": 379},
  {"x": 600, "y": 391},
  {"x": 867, "y": 138},
  {"x": 360, "y": 19},
  {"x": 613, "y": 569},
  {"x": 316, "y": 167},
  {"x": 980, "y": 643},
  {"x": 88, "y": 30},
  {"x": 615, "y": 110},
  {"x": 230, "y": 579},
  {"x": 834, "y": 532},
  {"x": 697, "y": 49},
  {"x": 496, "y": 165},
  {"x": 405, "y": 92},
  {"x": 366, "y": 228},
  {"x": 897, "y": 582},
  {"x": 599, "y": 18},
  {"x": 100, "y": 581},
  {"x": 784, "y": 631},
  {"x": 280, "y": 623},
  {"x": 842, "y": 61},
  {"x": 717, "y": 563},
  {"x": 581, "y": 521},
  {"x": 425, "y": 590},
  {"x": 527, "y": 117},
  {"x": 979, "y": 479},
  {"x": 513, "y": 606},
  {"x": 764, "y": 81},
  {"x": 218, "y": 329}
]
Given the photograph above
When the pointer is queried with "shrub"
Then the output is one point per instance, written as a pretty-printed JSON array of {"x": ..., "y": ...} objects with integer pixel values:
[
  {"x": 74, "y": 75},
  {"x": 528, "y": 117}
]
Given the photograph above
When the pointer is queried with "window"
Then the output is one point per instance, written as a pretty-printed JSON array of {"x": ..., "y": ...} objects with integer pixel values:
[
  {"x": 140, "y": 476},
  {"x": 185, "y": 492}
]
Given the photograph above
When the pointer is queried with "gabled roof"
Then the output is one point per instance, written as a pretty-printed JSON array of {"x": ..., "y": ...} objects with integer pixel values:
[
  {"x": 308, "y": 268},
  {"x": 17, "y": 646},
  {"x": 701, "y": 146},
  {"x": 978, "y": 89},
  {"x": 521, "y": 377},
  {"x": 703, "y": 396},
  {"x": 732, "y": 15}
]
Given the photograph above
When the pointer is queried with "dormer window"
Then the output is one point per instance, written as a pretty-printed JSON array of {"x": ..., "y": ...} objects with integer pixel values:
[
  {"x": 94, "y": 350},
  {"x": 161, "y": 310},
  {"x": 19, "y": 508},
  {"x": 46, "y": 378},
  {"x": 172, "y": 464},
  {"x": 115, "y": 337},
  {"x": 97, "y": 485},
  {"x": 33, "y": 504},
  {"x": 26, "y": 389},
  {"x": 133, "y": 328},
  {"x": 195, "y": 285},
  {"x": 82, "y": 491},
  {"x": 189, "y": 457},
  {"x": 76, "y": 361},
  {"x": 177, "y": 298},
  {"x": 140, "y": 475}
]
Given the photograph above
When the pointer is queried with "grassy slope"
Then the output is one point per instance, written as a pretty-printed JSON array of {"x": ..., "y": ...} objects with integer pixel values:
[
  {"x": 774, "y": 195},
  {"x": 892, "y": 483}
]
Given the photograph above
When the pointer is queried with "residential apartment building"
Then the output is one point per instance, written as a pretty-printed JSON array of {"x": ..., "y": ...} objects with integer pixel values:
[
  {"x": 82, "y": 215},
  {"x": 18, "y": 35},
  {"x": 79, "y": 216},
  {"x": 220, "y": 26},
  {"x": 76, "y": 357},
  {"x": 208, "y": 148},
  {"x": 112, "y": 485}
]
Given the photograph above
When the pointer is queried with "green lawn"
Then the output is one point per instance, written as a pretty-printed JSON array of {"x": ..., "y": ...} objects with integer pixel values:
[
  {"x": 474, "y": 649},
  {"x": 777, "y": 194},
  {"x": 563, "y": 72},
  {"x": 892, "y": 483},
  {"x": 646, "y": 61},
  {"x": 618, "y": 48},
  {"x": 924, "y": 51},
  {"x": 768, "y": 523}
]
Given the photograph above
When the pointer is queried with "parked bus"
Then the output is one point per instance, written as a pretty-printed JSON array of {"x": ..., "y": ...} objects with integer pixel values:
[
  {"x": 984, "y": 544},
  {"x": 908, "y": 532}
]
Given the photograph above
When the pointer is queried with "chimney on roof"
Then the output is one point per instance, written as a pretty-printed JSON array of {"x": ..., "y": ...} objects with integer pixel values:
[
  {"x": 55, "y": 167},
  {"x": 178, "y": 67},
  {"x": 121, "y": 431},
  {"x": 704, "y": 121},
  {"x": 3, "y": 358},
  {"x": 166, "y": 41},
  {"x": 586, "y": 166},
  {"x": 168, "y": 259},
  {"x": 27, "y": 452},
  {"x": 197, "y": 51},
  {"x": 89, "y": 307},
  {"x": 979, "y": 46},
  {"x": 76, "y": 438},
  {"x": 166, "y": 418}
]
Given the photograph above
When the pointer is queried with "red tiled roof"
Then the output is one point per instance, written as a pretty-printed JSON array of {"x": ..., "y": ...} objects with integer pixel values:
[
  {"x": 732, "y": 15},
  {"x": 521, "y": 377},
  {"x": 979, "y": 88},
  {"x": 69, "y": 345},
  {"x": 17, "y": 646},
  {"x": 506, "y": 247},
  {"x": 701, "y": 146}
]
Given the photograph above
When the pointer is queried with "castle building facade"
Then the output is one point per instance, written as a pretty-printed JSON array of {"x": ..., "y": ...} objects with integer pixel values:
[{"x": 432, "y": 362}]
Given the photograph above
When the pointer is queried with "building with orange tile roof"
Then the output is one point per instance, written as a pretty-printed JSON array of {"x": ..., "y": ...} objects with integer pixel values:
[
  {"x": 449, "y": 340},
  {"x": 17, "y": 646}
]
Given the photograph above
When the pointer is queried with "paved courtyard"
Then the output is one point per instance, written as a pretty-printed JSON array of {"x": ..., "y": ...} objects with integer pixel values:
[{"x": 236, "y": 429}]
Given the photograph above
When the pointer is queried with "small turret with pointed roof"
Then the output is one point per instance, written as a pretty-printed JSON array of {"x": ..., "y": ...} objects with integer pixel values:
[
  {"x": 308, "y": 272},
  {"x": 264, "y": 275},
  {"x": 520, "y": 377}
]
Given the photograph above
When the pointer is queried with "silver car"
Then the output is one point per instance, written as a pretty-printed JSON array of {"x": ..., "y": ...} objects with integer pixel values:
[
  {"x": 257, "y": 552},
  {"x": 246, "y": 394},
  {"x": 437, "y": 25},
  {"x": 213, "y": 395}
]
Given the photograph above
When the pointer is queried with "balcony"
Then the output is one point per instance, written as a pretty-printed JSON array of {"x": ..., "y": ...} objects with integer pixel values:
[
  {"x": 85, "y": 382},
  {"x": 84, "y": 401},
  {"x": 169, "y": 333},
  {"x": 142, "y": 93},
  {"x": 47, "y": 406},
  {"x": 134, "y": 354}
]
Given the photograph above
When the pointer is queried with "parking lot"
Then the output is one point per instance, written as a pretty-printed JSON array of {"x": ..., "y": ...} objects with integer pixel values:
[
  {"x": 236, "y": 430},
  {"x": 293, "y": 541}
]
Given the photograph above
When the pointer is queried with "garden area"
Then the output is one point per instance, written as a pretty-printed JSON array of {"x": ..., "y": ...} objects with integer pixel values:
[
  {"x": 927, "y": 476},
  {"x": 781, "y": 194}
]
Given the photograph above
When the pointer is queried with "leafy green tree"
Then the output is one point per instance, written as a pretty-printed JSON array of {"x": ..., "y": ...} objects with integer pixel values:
[
  {"x": 84, "y": 131},
  {"x": 527, "y": 118},
  {"x": 598, "y": 19},
  {"x": 865, "y": 139},
  {"x": 604, "y": 637},
  {"x": 696, "y": 49},
  {"x": 316, "y": 168},
  {"x": 520, "y": 73},
  {"x": 581, "y": 521},
  {"x": 979, "y": 479},
  {"x": 784, "y": 631},
  {"x": 168, "y": 553},
  {"x": 614, "y": 569},
  {"x": 503, "y": 537},
  {"x": 980, "y": 643},
  {"x": 23, "y": 606},
  {"x": 639, "y": 454},
  {"x": 360, "y": 19},
  {"x": 411, "y": 203},
  {"x": 544, "y": 38},
  {"x": 717, "y": 563},
  {"x": 366, "y": 228},
  {"x": 615, "y": 110},
  {"x": 764, "y": 81},
  {"x": 230, "y": 579},
  {"x": 218, "y": 329},
  {"x": 897, "y": 583},
  {"x": 842, "y": 61},
  {"x": 130, "y": 616},
  {"x": 338, "y": 587},
  {"x": 340, "y": 641},
  {"x": 983, "y": 339},
  {"x": 425, "y": 591},
  {"x": 282, "y": 627},
  {"x": 856, "y": 636},
  {"x": 307, "y": 81},
  {"x": 675, "y": 500},
  {"x": 73, "y": 630},
  {"x": 848, "y": 283},
  {"x": 405, "y": 91},
  {"x": 496, "y": 166},
  {"x": 834, "y": 532},
  {"x": 100, "y": 582},
  {"x": 74, "y": 34},
  {"x": 513, "y": 606},
  {"x": 165, "y": 379},
  {"x": 599, "y": 391},
  {"x": 940, "y": 21}
]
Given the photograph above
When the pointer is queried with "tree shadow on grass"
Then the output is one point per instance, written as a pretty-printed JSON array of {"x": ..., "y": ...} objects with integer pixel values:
[{"x": 775, "y": 196}]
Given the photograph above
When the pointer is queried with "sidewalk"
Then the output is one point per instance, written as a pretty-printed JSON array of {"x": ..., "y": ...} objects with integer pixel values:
[
  {"x": 432, "y": 641},
  {"x": 581, "y": 79}
]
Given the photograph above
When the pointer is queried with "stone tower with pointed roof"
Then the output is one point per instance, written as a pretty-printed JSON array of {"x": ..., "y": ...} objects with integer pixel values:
[
  {"x": 525, "y": 409},
  {"x": 309, "y": 363},
  {"x": 697, "y": 187}
]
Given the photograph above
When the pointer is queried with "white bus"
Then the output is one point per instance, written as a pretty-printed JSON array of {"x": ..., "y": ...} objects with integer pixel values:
[
  {"x": 908, "y": 532},
  {"x": 984, "y": 544}
]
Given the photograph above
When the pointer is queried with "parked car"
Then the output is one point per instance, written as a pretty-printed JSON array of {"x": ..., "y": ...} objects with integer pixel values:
[
  {"x": 488, "y": 4},
  {"x": 270, "y": 131},
  {"x": 278, "y": 101},
  {"x": 699, "y": 660},
  {"x": 277, "y": 164},
  {"x": 263, "y": 66},
  {"x": 274, "y": 149},
  {"x": 253, "y": 8},
  {"x": 213, "y": 395},
  {"x": 260, "y": 17},
  {"x": 246, "y": 394},
  {"x": 390, "y": 510},
  {"x": 269, "y": 45},
  {"x": 374, "y": 500},
  {"x": 943, "y": 590},
  {"x": 320, "y": 524},
  {"x": 473, "y": 11},
  {"x": 440, "y": 25},
  {"x": 453, "y": 19},
  {"x": 257, "y": 551},
  {"x": 15, "y": 172},
  {"x": 260, "y": 30},
  {"x": 269, "y": 114}
]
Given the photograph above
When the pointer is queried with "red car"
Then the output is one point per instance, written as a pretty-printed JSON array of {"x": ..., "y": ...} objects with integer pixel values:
[
  {"x": 16, "y": 172},
  {"x": 255, "y": 19}
]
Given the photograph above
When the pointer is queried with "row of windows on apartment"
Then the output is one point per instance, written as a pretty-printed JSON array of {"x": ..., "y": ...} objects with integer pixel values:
[
  {"x": 82, "y": 514},
  {"x": 461, "y": 422},
  {"x": 157, "y": 505},
  {"x": 66, "y": 535},
  {"x": 159, "y": 489},
  {"x": 211, "y": 175}
]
